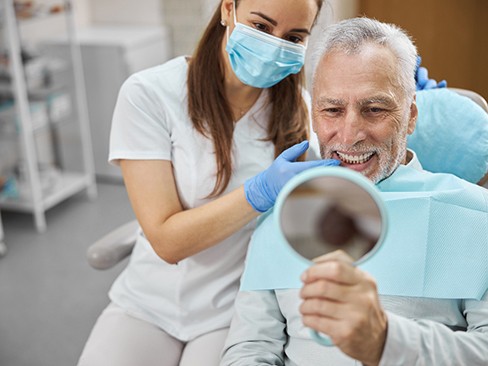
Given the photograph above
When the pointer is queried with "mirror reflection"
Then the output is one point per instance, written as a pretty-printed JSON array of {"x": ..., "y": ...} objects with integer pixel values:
[{"x": 328, "y": 213}]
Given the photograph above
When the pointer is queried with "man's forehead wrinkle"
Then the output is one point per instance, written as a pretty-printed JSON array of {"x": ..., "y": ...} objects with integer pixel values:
[{"x": 382, "y": 99}]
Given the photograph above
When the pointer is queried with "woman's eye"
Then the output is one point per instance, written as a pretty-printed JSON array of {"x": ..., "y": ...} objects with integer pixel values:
[
  {"x": 294, "y": 39},
  {"x": 261, "y": 27}
]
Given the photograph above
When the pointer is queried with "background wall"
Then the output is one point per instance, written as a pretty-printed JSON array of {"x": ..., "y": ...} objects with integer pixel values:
[
  {"x": 450, "y": 36},
  {"x": 332, "y": 11},
  {"x": 130, "y": 12},
  {"x": 186, "y": 19},
  {"x": 82, "y": 10}
]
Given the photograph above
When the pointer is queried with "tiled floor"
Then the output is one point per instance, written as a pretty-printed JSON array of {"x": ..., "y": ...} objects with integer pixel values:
[{"x": 49, "y": 296}]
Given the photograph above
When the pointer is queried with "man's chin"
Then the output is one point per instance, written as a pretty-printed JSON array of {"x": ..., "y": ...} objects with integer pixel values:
[
  {"x": 382, "y": 174},
  {"x": 373, "y": 172}
]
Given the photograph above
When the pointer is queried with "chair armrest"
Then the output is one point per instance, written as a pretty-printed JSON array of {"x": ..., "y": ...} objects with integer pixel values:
[{"x": 113, "y": 247}]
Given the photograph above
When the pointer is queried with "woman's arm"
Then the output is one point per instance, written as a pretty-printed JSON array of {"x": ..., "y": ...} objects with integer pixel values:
[{"x": 175, "y": 233}]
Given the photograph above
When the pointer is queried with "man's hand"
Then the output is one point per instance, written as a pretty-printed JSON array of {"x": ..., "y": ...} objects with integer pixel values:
[{"x": 342, "y": 301}]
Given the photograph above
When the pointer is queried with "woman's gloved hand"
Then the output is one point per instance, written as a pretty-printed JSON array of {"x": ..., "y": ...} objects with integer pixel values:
[
  {"x": 261, "y": 190},
  {"x": 422, "y": 78}
]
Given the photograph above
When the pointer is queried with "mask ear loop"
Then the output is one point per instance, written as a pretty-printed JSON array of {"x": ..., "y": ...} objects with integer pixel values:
[
  {"x": 234, "y": 12},
  {"x": 235, "y": 20}
]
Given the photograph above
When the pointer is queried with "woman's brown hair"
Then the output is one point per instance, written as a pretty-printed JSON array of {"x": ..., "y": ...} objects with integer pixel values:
[{"x": 210, "y": 111}]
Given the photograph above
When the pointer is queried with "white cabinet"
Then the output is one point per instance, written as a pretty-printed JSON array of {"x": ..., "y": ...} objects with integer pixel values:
[
  {"x": 110, "y": 54},
  {"x": 48, "y": 110}
]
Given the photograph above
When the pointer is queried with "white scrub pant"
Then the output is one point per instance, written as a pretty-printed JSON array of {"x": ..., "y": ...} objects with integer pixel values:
[{"x": 118, "y": 339}]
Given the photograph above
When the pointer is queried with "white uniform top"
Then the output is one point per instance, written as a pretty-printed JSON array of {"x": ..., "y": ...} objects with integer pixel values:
[{"x": 151, "y": 121}]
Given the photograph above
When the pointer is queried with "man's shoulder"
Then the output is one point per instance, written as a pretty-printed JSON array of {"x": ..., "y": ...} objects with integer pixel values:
[{"x": 410, "y": 179}]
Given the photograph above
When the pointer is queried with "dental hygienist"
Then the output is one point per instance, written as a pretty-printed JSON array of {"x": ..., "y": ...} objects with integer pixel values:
[
  {"x": 192, "y": 137},
  {"x": 205, "y": 143}
]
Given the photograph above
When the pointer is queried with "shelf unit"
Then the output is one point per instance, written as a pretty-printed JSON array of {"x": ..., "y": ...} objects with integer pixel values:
[{"x": 34, "y": 196}]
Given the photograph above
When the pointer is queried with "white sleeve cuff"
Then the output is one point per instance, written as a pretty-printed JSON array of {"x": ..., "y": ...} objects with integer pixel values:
[{"x": 401, "y": 347}]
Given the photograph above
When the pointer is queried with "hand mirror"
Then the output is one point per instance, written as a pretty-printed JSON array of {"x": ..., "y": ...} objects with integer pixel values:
[{"x": 326, "y": 209}]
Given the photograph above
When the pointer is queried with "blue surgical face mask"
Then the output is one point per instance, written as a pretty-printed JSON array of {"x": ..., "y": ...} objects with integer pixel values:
[{"x": 260, "y": 59}]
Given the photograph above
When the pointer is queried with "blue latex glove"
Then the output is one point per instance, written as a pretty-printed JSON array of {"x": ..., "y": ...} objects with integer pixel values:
[
  {"x": 422, "y": 78},
  {"x": 261, "y": 190}
]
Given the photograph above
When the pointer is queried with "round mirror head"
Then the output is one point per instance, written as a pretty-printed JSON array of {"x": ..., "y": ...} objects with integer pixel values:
[{"x": 331, "y": 209}]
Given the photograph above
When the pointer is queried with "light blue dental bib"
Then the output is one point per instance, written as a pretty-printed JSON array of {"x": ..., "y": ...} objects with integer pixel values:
[{"x": 436, "y": 245}]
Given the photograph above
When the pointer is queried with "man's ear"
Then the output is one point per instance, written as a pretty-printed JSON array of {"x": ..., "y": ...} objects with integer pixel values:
[
  {"x": 414, "y": 112},
  {"x": 226, "y": 9}
]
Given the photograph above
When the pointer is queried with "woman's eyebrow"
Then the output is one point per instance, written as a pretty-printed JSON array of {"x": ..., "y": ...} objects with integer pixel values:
[
  {"x": 275, "y": 23},
  {"x": 265, "y": 17}
]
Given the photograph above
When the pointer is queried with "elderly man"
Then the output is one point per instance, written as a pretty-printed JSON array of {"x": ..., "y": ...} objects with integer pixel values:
[{"x": 363, "y": 109}]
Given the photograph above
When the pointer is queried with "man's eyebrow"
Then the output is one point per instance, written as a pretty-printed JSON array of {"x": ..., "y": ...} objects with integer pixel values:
[
  {"x": 376, "y": 100},
  {"x": 332, "y": 101},
  {"x": 275, "y": 23}
]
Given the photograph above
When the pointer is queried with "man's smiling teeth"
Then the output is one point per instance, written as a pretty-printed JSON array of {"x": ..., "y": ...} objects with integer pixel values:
[{"x": 355, "y": 159}]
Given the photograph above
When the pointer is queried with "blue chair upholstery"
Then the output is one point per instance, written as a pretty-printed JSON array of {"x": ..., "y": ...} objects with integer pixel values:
[{"x": 451, "y": 135}]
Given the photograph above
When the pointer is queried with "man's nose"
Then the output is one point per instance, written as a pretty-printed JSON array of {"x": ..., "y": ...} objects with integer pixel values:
[{"x": 352, "y": 130}]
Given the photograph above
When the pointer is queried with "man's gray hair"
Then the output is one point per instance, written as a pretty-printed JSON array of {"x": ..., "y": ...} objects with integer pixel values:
[{"x": 350, "y": 35}]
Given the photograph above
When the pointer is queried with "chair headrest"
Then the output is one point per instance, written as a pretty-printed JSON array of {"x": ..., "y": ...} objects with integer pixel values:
[{"x": 451, "y": 135}]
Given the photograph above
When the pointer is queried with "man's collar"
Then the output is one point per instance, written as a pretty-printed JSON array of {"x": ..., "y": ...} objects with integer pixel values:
[{"x": 413, "y": 161}]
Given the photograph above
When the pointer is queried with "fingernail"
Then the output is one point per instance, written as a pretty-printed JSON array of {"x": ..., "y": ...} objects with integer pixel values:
[{"x": 303, "y": 276}]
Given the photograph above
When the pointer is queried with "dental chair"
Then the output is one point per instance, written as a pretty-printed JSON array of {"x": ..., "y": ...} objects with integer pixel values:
[{"x": 451, "y": 137}]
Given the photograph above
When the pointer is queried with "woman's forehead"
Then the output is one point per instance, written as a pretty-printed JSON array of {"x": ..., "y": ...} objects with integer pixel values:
[{"x": 290, "y": 13}]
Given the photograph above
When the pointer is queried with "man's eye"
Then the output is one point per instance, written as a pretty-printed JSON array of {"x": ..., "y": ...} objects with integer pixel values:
[
  {"x": 332, "y": 110},
  {"x": 375, "y": 110}
]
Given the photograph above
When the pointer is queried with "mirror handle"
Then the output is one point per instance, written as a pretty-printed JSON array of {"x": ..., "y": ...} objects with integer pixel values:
[{"x": 321, "y": 338}]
